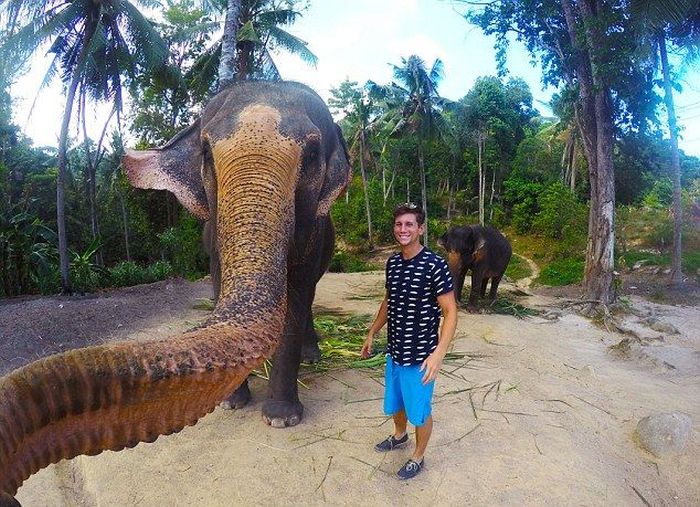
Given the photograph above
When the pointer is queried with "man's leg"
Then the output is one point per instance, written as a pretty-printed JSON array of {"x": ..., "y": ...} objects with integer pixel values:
[
  {"x": 422, "y": 437},
  {"x": 400, "y": 422}
]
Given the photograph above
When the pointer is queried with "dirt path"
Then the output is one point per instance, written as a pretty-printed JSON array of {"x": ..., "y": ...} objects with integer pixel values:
[
  {"x": 526, "y": 282},
  {"x": 538, "y": 412}
]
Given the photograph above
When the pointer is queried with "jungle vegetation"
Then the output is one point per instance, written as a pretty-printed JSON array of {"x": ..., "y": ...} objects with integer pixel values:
[{"x": 69, "y": 221}]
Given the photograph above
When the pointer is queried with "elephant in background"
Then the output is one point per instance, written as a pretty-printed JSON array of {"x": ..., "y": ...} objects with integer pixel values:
[
  {"x": 262, "y": 165},
  {"x": 484, "y": 251}
]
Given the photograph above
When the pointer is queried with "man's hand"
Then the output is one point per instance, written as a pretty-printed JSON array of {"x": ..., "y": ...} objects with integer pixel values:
[
  {"x": 431, "y": 366},
  {"x": 366, "y": 350}
]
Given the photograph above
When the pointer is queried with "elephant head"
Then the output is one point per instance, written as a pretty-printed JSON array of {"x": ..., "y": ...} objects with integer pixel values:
[
  {"x": 464, "y": 247},
  {"x": 262, "y": 164}
]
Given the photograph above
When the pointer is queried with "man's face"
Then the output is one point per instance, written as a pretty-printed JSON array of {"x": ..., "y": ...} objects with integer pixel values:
[{"x": 406, "y": 230}]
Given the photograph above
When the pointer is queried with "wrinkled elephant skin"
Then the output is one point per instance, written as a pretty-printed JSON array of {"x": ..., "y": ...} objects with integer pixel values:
[
  {"x": 262, "y": 166},
  {"x": 484, "y": 251}
]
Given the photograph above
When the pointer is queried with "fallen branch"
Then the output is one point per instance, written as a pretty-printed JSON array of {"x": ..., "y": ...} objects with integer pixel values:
[
  {"x": 330, "y": 460},
  {"x": 471, "y": 402},
  {"x": 641, "y": 497},
  {"x": 594, "y": 406}
]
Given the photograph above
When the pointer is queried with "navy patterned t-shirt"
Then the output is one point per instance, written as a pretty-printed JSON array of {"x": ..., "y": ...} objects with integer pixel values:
[{"x": 413, "y": 313}]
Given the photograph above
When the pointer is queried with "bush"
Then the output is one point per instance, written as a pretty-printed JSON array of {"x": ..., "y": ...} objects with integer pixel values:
[
  {"x": 182, "y": 245},
  {"x": 345, "y": 262},
  {"x": 660, "y": 196},
  {"x": 126, "y": 274},
  {"x": 159, "y": 270}
]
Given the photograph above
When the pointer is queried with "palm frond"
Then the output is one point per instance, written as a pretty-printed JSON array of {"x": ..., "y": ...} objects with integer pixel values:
[
  {"x": 202, "y": 76},
  {"x": 437, "y": 72},
  {"x": 278, "y": 17},
  {"x": 142, "y": 35},
  {"x": 248, "y": 33},
  {"x": 293, "y": 44}
]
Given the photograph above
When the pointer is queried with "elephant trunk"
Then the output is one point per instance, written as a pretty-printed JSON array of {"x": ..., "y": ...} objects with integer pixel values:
[{"x": 117, "y": 395}]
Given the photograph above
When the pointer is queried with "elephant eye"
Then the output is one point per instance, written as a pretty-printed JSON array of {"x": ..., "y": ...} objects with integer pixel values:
[{"x": 311, "y": 153}]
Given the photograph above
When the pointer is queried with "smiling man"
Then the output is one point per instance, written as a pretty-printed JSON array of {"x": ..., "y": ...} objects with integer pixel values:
[{"x": 418, "y": 291}]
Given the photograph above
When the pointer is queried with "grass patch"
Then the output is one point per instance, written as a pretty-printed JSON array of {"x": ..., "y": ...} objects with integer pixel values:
[
  {"x": 517, "y": 269},
  {"x": 562, "y": 272},
  {"x": 690, "y": 260}
]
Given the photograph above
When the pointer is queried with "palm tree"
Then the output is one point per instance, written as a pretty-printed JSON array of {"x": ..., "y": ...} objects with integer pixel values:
[
  {"x": 421, "y": 109},
  {"x": 357, "y": 105},
  {"x": 94, "y": 43},
  {"x": 244, "y": 51},
  {"x": 227, "y": 62},
  {"x": 677, "y": 21}
]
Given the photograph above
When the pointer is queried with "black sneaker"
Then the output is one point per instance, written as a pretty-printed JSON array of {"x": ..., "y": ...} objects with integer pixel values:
[
  {"x": 410, "y": 469},
  {"x": 391, "y": 443}
]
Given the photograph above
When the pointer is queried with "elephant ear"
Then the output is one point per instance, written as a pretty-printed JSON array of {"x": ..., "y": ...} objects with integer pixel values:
[
  {"x": 479, "y": 250},
  {"x": 176, "y": 167},
  {"x": 338, "y": 172}
]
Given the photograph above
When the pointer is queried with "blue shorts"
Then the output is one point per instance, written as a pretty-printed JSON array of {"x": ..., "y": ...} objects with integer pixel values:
[{"x": 404, "y": 389}]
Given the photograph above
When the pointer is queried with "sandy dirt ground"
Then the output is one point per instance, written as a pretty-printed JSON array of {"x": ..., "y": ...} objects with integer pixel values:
[{"x": 538, "y": 411}]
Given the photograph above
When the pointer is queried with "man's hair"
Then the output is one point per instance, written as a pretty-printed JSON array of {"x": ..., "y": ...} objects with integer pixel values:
[{"x": 409, "y": 207}]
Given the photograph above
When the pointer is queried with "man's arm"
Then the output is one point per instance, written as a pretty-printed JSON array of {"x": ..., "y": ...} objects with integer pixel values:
[
  {"x": 378, "y": 324},
  {"x": 432, "y": 364}
]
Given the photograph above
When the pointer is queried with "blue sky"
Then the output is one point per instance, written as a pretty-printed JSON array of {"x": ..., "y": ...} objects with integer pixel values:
[{"x": 357, "y": 40}]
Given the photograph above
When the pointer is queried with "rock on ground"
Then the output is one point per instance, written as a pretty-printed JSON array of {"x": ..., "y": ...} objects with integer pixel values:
[{"x": 664, "y": 434}]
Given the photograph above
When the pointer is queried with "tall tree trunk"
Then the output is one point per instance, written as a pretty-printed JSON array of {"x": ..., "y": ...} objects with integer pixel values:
[
  {"x": 227, "y": 64},
  {"x": 676, "y": 267},
  {"x": 64, "y": 263},
  {"x": 594, "y": 117},
  {"x": 125, "y": 222},
  {"x": 480, "y": 155},
  {"x": 493, "y": 192},
  {"x": 91, "y": 178},
  {"x": 364, "y": 184},
  {"x": 423, "y": 190},
  {"x": 573, "y": 169}
]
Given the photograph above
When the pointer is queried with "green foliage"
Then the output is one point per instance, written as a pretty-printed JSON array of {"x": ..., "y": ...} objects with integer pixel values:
[
  {"x": 27, "y": 252},
  {"x": 562, "y": 272},
  {"x": 86, "y": 275},
  {"x": 521, "y": 195},
  {"x": 182, "y": 245},
  {"x": 517, "y": 269},
  {"x": 660, "y": 195},
  {"x": 560, "y": 214},
  {"x": 341, "y": 338},
  {"x": 128, "y": 273},
  {"x": 345, "y": 262}
]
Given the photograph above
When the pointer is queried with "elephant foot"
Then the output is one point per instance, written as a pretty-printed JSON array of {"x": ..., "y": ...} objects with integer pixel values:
[
  {"x": 472, "y": 308},
  {"x": 8, "y": 501},
  {"x": 310, "y": 353},
  {"x": 238, "y": 398},
  {"x": 280, "y": 414}
]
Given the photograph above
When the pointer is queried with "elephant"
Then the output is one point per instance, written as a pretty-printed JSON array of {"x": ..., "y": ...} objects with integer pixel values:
[
  {"x": 262, "y": 165},
  {"x": 484, "y": 251}
]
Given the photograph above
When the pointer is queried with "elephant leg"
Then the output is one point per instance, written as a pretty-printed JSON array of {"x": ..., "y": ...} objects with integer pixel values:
[
  {"x": 310, "y": 353},
  {"x": 283, "y": 407},
  {"x": 484, "y": 283},
  {"x": 494, "y": 286},
  {"x": 238, "y": 398},
  {"x": 475, "y": 289}
]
